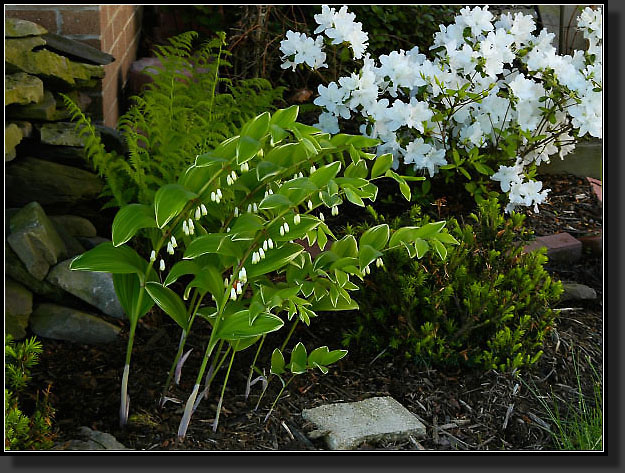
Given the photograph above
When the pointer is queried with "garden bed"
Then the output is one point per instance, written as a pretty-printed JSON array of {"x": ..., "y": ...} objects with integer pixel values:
[{"x": 462, "y": 410}]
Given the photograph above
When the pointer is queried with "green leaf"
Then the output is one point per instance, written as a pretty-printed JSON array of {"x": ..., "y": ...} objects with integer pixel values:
[
  {"x": 275, "y": 201},
  {"x": 357, "y": 141},
  {"x": 440, "y": 248},
  {"x": 465, "y": 173},
  {"x": 285, "y": 117},
  {"x": 209, "y": 279},
  {"x": 106, "y": 258},
  {"x": 358, "y": 170},
  {"x": 128, "y": 287},
  {"x": 237, "y": 326},
  {"x": 325, "y": 305},
  {"x": 298, "y": 359},
  {"x": 381, "y": 165},
  {"x": 277, "y": 134},
  {"x": 377, "y": 236},
  {"x": 403, "y": 185},
  {"x": 212, "y": 243},
  {"x": 322, "y": 239},
  {"x": 446, "y": 238},
  {"x": 346, "y": 247},
  {"x": 169, "y": 202},
  {"x": 257, "y": 127},
  {"x": 422, "y": 247},
  {"x": 324, "y": 174},
  {"x": 353, "y": 197},
  {"x": 483, "y": 169},
  {"x": 247, "y": 147},
  {"x": 129, "y": 220},
  {"x": 429, "y": 229},
  {"x": 274, "y": 259},
  {"x": 169, "y": 302},
  {"x": 247, "y": 223},
  {"x": 277, "y": 362},
  {"x": 181, "y": 268},
  {"x": 367, "y": 254}
]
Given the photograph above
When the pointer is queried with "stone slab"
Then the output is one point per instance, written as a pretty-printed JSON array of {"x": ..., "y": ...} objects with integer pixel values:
[
  {"x": 597, "y": 188},
  {"x": 12, "y": 137},
  {"x": 65, "y": 323},
  {"x": 593, "y": 244},
  {"x": 15, "y": 28},
  {"x": 577, "y": 292},
  {"x": 95, "y": 288},
  {"x": 91, "y": 440},
  {"x": 45, "y": 109},
  {"x": 22, "y": 88},
  {"x": 560, "y": 246},
  {"x": 75, "y": 225},
  {"x": 77, "y": 50},
  {"x": 353, "y": 423}
]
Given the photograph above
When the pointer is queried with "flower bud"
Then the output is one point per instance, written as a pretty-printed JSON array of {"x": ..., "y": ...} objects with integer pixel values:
[
  {"x": 162, "y": 265},
  {"x": 321, "y": 217},
  {"x": 255, "y": 207},
  {"x": 312, "y": 168},
  {"x": 236, "y": 211},
  {"x": 335, "y": 210},
  {"x": 219, "y": 194},
  {"x": 286, "y": 228},
  {"x": 261, "y": 252},
  {"x": 282, "y": 230},
  {"x": 213, "y": 196},
  {"x": 297, "y": 219},
  {"x": 233, "y": 294},
  {"x": 229, "y": 180},
  {"x": 153, "y": 256},
  {"x": 270, "y": 244},
  {"x": 185, "y": 228},
  {"x": 170, "y": 248},
  {"x": 239, "y": 288},
  {"x": 233, "y": 176},
  {"x": 203, "y": 209},
  {"x": 379, "y": 262},
  {"x": 265, "y": 245},
  {"x": 310, "y": 204},
  {"x": 226, "y": 282},
  {"x": 249, "y": 207},
  {"x": 198, "y": 213},
  {"x": 245, "y": 167}
]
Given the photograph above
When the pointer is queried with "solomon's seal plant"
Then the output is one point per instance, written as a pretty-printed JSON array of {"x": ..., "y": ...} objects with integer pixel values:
[
  {"x": 234, "y": 226},
  {"x": 493, "y": 100}
]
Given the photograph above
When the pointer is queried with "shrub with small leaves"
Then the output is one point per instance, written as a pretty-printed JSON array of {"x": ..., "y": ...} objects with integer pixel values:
[
  {"x": 23, "y": 431},
  {"x": 487, "y": 305}
]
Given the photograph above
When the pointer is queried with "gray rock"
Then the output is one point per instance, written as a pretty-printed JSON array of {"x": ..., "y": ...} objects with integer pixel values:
[
  {"x": 18, "y": 305},
  {"x": 22, "y": 88},
  {"x": 94, "y": 288},
  {"x": 577, "y": 292},
  {"x": 44, "y": 109},
  {"x": 35, "y": 240},
  {"x": 77, "y": 50},
  {"x": 12, "y": 137},
  {"x": 61, "y": 134},
  {"x": 91, "y": 440},
  {"x": 26, "y": 127},
  {"x": 64, "y": 323},
  {"x": 76, "y": 226},
  {"x": 72, "y": 245},
  {"x": 29, "y": 179},
  {"x": 14, "y": 28},
  {"x": 15, "y": 269},
  {"x": 350, "y": 424}
]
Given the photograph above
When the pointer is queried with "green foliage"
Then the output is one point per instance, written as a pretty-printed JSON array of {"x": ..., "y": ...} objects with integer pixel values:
[
  {"x": 393, "y": 27},
  {"x": 234, "y": 226},
  {"x": 577, "y": 425},
  {"x": 186, "y": 110},
  {"x": 486, "y": 305},
  {"x": 24, "y": 432}
]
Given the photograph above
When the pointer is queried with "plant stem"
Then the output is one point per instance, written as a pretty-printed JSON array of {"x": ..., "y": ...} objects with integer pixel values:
[
  {"x": 249, "y": 376},
  {"x": 289, "y": 335},
  {"x": 223, "y": 389},
  {"x": 284, "y": 385}
]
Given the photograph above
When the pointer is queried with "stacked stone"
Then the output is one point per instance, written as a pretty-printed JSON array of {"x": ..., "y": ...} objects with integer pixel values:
[
  {"x": 45, "y": 167},
  {"x": 44, "y": 153}
]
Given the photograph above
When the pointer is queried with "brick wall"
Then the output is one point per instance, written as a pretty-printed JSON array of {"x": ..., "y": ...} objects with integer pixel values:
[{"x": 114, "y": 29}]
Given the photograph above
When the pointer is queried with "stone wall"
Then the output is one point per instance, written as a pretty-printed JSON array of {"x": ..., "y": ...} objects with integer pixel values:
[
  {"x": 52, "y": 197},
  {"x": 114, "y": 29}
]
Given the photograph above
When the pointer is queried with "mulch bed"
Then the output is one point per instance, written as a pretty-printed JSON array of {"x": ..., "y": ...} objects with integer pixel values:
[{"x": 461, "y": 410}]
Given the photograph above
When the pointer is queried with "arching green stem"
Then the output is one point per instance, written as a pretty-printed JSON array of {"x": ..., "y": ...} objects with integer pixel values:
[{"x": 223, "y": 389}]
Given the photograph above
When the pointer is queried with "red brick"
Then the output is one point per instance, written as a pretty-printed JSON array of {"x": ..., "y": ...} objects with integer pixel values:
[
  {"x": 597, "y": 187},
  {"x": 81, "y": 22},
  {"x": 46, "y": 18},
  {"x": 560, "y": 246}
]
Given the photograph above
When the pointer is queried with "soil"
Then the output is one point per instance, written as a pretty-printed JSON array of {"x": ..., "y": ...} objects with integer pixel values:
[{"x": 461, "y": 410}]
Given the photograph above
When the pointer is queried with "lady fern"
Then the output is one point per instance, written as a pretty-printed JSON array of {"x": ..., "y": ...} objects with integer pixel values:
[{"x": 186, "y": 110}]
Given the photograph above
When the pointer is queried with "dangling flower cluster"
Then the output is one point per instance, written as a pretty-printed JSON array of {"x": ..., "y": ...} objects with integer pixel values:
[
  {"x": 401, "y": 96},
  {"x": 261, "y": 253},
  {"x": 188, "y": 228},
  {"x": 216, "y": 196},
  {"x": 231, "y": 178}
]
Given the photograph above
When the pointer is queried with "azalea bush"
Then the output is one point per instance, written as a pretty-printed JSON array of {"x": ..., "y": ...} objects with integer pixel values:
[
  {"x": 490, "y": 100},
  {"x": 234, "y": 230}
]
